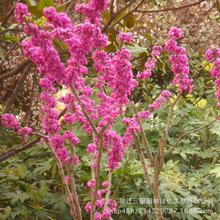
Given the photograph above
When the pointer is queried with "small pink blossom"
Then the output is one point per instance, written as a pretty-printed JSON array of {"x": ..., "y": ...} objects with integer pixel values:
[
  {"x": 175, "y": 33},
  {"x": 25, "y": 131},
  {"x": 88, "y": 207},
  {"x": 91, "y": 148},
  {"x": 105, "y": 183},
  {"x": 68, "y": 118},
  {"x": 91, "y": 183},
  {"x": 125, "y": 36},
  {"x": 98, "y": 216},
  {"x": 10, "y": 121}
]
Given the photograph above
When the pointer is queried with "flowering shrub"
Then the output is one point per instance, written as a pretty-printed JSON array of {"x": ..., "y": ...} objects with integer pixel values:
[{"x": 114, "y": 70}]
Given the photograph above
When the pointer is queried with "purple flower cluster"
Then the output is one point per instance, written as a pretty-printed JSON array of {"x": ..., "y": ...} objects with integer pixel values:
[
  {"x": 165, "y": 94},
  {"x": 25, "y": 131},
  {"x": 20, "y": 11},
  {"x": 115, "y": 153},
  {"x": 179, "y": 61},
  {"x": 91, "y": 148},
  {"x": 214, "y": 53},
  {"x": 151, "y": 63},
  {"x": 10, "y": 121},
  {"x": 92, "y": 10},
  {"x": 125, "y": 36}
]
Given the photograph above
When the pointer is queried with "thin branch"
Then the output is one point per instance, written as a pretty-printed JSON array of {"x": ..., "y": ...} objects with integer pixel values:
[
  {"x": 10, "y": 29},
  {"x": 170, "y": 9},
  {"x": 133, "y": 10},
  {"x": 108, "y": 188},
  {"x": 73, "y": 190},
  {"x": 10, "y": 13},
  {"x": 62, "y": 175},
  {"x": 97, "y": 177},
  {"x": 14, "y": 71},
  {"x": 17, "y": 89},
  {"x": 202, "y": 68},
  {"x": 114, "y": 15},
  {"x": 189, "y": 132},
  {"x": 122, "y": 178},
  {"x": 84, "y": 111},
  {"x": 141, "y": 156},
  {"x": 143, "y": 135},
  {"x": 21, "y": 147},
  {"x": 170, "y": 117},
  {"x": 17, "y": 149}
]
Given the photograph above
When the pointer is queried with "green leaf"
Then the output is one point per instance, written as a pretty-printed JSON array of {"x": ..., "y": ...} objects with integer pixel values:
[
  {"x": 112, "y": 35},
  {"x": 149, "y": 37},
  {"x": 216, "y": 170},
  {"x": 195, "y": 215},
  {"x": 136, "y": 49},
  {"x": 2, "y": 54},
  {"x": 129, "y": 21},
  {"x": 119, "y": 16},
  {"x": 62, "y": 7},
  {"x": 106, "y": 15},
  {"x": 11, "y": 38},
  {"x": 30, "y": 2},
  {"x": 45, "y": 3},
  {"x": 35, "y": 11},
  {"x": 2, "y": 19}
]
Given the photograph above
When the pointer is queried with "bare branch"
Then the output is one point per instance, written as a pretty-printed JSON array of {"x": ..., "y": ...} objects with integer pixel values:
[
  {"x": 84, "y": 112},
  {"x": 141, "y": 156},
  {"x": 143, "y": 135},
  {"x": 10, "y": 29},
  {"x": 18, "y": 148},
  {"x": 170, "y": 117},
  {"x": 97, "y": 177},
  {"x": 10, "y": 13},
  {"x": 133, "y": 10},
  {"x": 170, "y": 9},
  {"x": 62, "y": 175},
  {"x": 201, "y": 69},
  {"x": 14, "y": 71},
  {"x": 189, "y": 132},
  {"x": 17, "y": 89}
]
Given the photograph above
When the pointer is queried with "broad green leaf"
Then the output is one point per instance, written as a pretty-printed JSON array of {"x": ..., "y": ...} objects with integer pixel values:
[
  {"x": 2, "y": 19},
  {"x": 195, "y": 215},
  {"x": 136, "y": 49},
  {"x": 149, "y": 37},
  {"x": 34, "y": 10},
  {"x": 119, "y": 16},
  {"x": 129, "y": 21},
  {"x": 30, "y": 2},
  {"x": 11, "y": 38},
  {"x": 112, "y": 35},
  {"x": 62, "y": 7},
  {"x": 45, "y": 3},
  {"x": 106, "y": 15},
  {"x": 216, "y": 170}
]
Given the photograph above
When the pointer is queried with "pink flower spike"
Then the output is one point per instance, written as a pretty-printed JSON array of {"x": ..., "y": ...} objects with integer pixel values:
[
  {"x": 105, "y": 184},
  {"x": 175, "y": 33}
]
